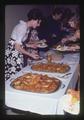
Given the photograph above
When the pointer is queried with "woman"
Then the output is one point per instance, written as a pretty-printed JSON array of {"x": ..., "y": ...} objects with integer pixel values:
[
  {"x": 75, "y": 24},
  {"x": 15, "y": 51},
  {"x": 74, "y": 37}
]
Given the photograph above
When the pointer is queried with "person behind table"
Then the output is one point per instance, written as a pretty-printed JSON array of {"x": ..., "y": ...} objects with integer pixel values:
[
  {"x": 50, "y": 29},
  {"x": 74, "y": 23},
  {"x": 64, "y": 24},
  {"x": 15, "y": 50}
]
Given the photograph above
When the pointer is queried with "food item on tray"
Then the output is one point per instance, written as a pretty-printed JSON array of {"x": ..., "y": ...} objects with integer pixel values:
[
  {"x": 62, "y": 48},
  {"x": 74, "y": 93},
  {"x": 51, "y": 67},
  {"x": 53, "y": 56},
  {"x": 38, "y": 83},
  {"x": 57, "y": 57},
  {"x": 72, "y": 102}
]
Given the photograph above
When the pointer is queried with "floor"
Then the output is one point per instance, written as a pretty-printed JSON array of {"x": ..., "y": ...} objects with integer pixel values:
[
  {"x": 10, "y": 112},
  {"x": 18, "y": 112}
]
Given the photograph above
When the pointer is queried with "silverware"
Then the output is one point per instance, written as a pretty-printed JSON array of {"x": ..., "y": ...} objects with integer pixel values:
[{"x": 65, "y": 75}]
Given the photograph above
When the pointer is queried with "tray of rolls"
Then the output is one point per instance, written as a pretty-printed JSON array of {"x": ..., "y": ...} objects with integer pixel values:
[{"x": 51, "y": 67}]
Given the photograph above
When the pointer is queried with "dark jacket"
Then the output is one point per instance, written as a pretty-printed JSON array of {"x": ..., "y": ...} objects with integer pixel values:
[{"x": 51, "y": 31}]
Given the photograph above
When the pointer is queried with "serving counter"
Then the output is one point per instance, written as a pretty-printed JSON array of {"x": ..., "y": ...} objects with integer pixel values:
[{"x": 45, "y": 104}]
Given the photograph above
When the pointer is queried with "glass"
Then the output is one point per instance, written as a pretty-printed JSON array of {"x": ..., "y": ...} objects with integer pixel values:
[{"x": 49, "y": 58}]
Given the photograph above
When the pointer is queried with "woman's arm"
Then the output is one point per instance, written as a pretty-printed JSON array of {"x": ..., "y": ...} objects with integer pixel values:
[
  {"x": 75, "y": 36},
  {"x": 72, "y": 38},
  {"x": 22, "y": 50}
]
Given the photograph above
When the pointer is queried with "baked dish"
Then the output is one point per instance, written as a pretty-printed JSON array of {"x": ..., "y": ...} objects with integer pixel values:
[
  {"x": 38, "y": 83},
  {"x": 51, "y": 67}
]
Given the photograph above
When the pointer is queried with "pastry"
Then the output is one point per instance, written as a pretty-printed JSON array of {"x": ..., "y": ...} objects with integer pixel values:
[{"x": 38, "y": 83}]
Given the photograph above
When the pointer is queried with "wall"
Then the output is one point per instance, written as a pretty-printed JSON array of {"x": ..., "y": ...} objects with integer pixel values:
[{"x": 14, "y": 13}]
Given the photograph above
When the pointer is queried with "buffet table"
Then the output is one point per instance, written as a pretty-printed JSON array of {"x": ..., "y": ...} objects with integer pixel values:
[{"x": 45, "y": 104}]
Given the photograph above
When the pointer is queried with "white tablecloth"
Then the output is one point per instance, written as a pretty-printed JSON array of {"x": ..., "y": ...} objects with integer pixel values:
[{"x": 46, "y": 104}]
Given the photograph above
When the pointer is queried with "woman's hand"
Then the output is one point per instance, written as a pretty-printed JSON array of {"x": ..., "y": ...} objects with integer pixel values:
[
  {"x": 34, "y": 55},
  {"x": 64, "y": 40}
]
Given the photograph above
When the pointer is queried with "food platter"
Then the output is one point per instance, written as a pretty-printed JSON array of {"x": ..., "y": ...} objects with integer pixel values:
[
  {"x": 51, "y": 67},
  {"x": 36, "y": 83}
]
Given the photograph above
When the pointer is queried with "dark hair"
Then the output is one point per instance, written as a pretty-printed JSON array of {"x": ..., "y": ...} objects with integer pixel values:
[
  {"x": 35, "y": 14},
  {"x": 68, "y": 13},
  {"x": 57, "y": 10}
]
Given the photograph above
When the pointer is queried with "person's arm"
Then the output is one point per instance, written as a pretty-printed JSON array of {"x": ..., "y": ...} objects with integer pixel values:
[
  {"x": 70, "y": 38},
  {"x": 77, "y": 34},
  {"x": 22, "y": 50},
  {"x": 33, "y": 45}
]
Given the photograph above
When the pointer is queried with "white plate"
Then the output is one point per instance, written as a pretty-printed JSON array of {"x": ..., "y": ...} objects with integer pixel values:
[
  {"x": 65, "y": 48},
  {"x": 42, "y": 46},
  {"x": 67, "y": 107}
]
